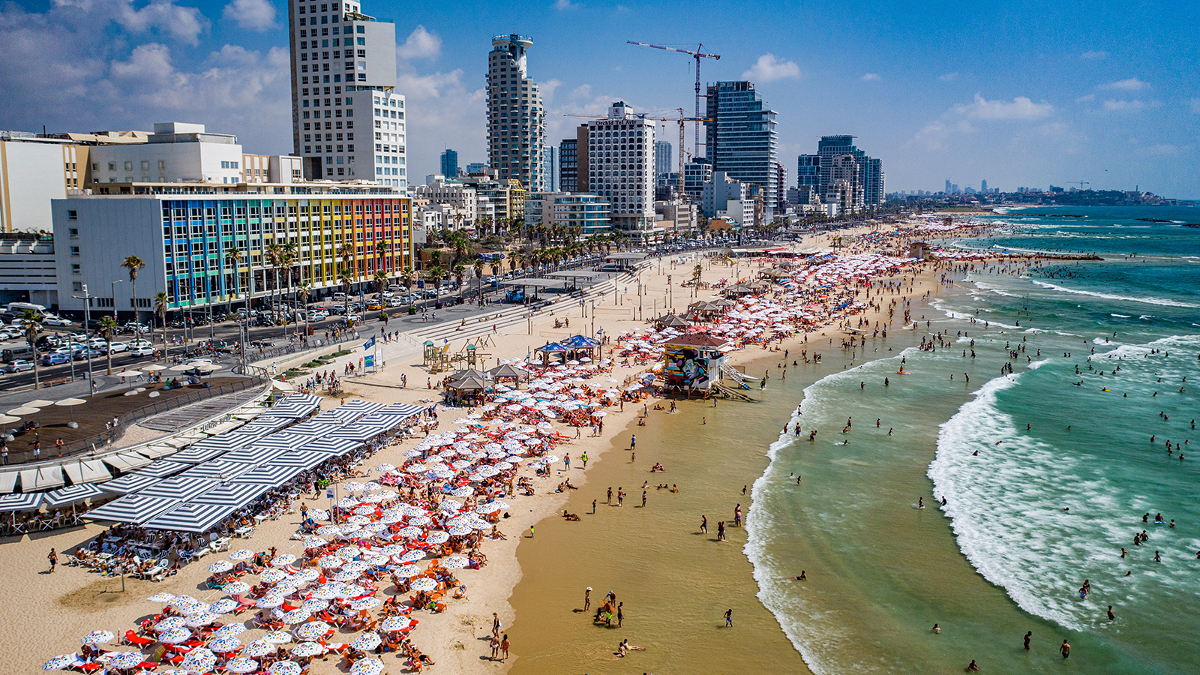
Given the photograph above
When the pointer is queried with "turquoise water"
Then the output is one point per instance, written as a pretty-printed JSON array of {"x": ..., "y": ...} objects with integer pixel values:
[{"x": 1041, "y": 507}]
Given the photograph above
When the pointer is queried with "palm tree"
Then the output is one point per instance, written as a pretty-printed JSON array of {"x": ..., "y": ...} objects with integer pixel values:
[
  {"x": 459, "y": 271},
  {"x": 233, "y": 257},
  {"x": 434, "y": 276},
  {"x": 291, "y": 255},
  {"x": 406, "y": 278},
  {"x": 31, "y": 321},
  {"x": 381, "y": 280},
  {"x": 346, "y": 278},
  {"x": 304, "y": 293},
  {"x": 346, "y": 251},
  {"x": 108, "y": 328},
  {"x": 160, "y": 307},
  {"x": 274, "y": 258},
  {"x": 133, "y": 264}
]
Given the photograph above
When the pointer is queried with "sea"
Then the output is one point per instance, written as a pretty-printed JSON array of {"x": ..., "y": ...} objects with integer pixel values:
[{"x": 977, "y": 485}]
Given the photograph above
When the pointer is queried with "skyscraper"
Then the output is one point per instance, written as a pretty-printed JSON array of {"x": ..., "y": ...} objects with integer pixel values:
[
  {"x": 620, "y": 167},
  {"x": 551, "y": 168},
  {"x": 862, "y": 175},
  {"x": 948, "y": 190},
  {"x": 662, "y": 157},
  {"x": 741, "y": 137},
  {"x": 568, "y": 165},
  {"x": 450, "y": 164},
  {"x": 983, "y": 186},
  {"x": 516, "y": 118},
  {"x": 343, "y": 65}
]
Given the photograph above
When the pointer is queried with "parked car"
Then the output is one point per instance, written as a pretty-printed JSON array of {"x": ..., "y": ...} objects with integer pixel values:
[
  {"x": 85, "y": 354},
  {"x": 140, "y": 351},
  {"x": 54, "y": 358},
  {"x": 52, "y": 320},
  {"x": 118, "y": 347},
  {"x": 18, "y": 365},
  {"x": 135, "y": 344},
  {"x": 10, "y": 333}
]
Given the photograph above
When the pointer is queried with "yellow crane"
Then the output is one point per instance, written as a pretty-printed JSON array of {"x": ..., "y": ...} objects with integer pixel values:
[
  {"x": 697, "y": 55},
  {"x": 682, "y": 119}
]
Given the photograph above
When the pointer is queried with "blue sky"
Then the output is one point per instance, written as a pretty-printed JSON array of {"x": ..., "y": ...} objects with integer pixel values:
[{"x": 1016, "y": 93}]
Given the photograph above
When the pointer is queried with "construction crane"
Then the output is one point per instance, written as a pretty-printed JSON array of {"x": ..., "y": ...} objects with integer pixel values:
[
  {"x": 1080, "y": 182},
  {"x": 682, "y": 119},
  {"x": 697, "y": 55}
]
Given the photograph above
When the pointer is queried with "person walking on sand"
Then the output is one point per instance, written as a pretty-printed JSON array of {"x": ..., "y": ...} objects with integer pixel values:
[
  {"x": 584, "y": 458},
  {"x": 53, "y": 558},
  {"x": 643, "y": 499},
  {"x": 495, "y": 645},
  {"x": 587, "y": 599},
  {"x": 593, "y": 507},
  {"x": 620, "y": 615},
  {"x": 720, "y": 530},
  {"x": 495, "y": 624},
  {"x": 633, "y": 442},
  {"x": 729, "y": 618},
  {"x": 704, "y": 524}
]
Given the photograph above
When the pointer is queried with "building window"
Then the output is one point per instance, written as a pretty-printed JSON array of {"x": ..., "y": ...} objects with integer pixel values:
[
  {"x": 73, "y": 215},
  {"x": 77, "y": 286},
  {"x": 75, "y": 250}
]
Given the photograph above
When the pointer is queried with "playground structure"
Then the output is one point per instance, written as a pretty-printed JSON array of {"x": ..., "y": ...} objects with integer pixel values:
[{"x": 438, "y": 359}]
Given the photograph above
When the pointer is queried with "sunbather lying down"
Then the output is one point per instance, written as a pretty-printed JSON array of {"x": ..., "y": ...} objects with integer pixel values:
[{"x": 570, "y": 516}]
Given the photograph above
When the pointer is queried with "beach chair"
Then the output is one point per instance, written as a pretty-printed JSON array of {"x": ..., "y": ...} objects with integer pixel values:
[{"x": 133, "y": 639}]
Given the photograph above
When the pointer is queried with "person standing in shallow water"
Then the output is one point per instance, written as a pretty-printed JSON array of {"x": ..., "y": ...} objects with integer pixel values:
[{"x": 1028, "y": 637}]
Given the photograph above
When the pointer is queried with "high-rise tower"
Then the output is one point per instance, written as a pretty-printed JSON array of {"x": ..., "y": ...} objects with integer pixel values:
[
  {"x": 741, "y": 137},
  {"x": 516, "y": 118},
  {"x": 347, "y": 119}
]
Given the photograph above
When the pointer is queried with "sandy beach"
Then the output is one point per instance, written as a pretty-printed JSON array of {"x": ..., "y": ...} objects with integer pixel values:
[{"x": 544, "y": 575}]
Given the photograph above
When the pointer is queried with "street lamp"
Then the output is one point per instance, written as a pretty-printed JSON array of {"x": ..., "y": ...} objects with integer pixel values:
[
  {"x": 114, "y": 296},
  {"x": 87, "y": 319}
]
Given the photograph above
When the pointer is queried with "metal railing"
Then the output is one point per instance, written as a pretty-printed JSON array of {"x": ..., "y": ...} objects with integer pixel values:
[
  {"x": 256, "y": 377},
  {"x": 301, "y": 347}
]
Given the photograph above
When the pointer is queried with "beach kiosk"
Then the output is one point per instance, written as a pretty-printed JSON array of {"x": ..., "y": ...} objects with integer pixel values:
[{"x": 692, "y": 363}]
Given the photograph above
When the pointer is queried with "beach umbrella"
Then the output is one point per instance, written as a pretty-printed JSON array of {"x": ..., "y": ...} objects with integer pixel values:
[
  {"x": 170, "y": 623},
  {"x": 359, "y": 520},
  {"x": 241, "y": 554},
  {"x": 230, "y": 630},
  {"x": 273, "y": 576},
  {"x": 348, "y": 503},
  {"x": 71, "y": 403},
  {"x": 394, "y": 623},
  {"x": 125, "y": 660},
  {"x": 202, "y": 619},
  {"x": 315, "y": 604},
  {"x": 456, "y": 562},
  {"x": 497, "y": 505},
  {"x": 306, "y": 649},
  {"x": 161, "y": 597},
  {"x": 437, "y": 537},
  {"x": 364, "y": 603},
  {"x": 462, "y": 492},
  {"x": 313, "y": 630},
  {"x": 220, "y": 566},
  {"x": 199, "y": 659},
  {"x": 242, "y": 664},
  {"x": 98, "y": 637},
  {"x": 408, "y": 570},
  {"x": 236, "y": 587},
  {"x": 366, "y": 641},
  {"x": 224, "y": 645},
  {"x": 345, "y": 576},
  {"x": 278, "y": 637},
  {"x": 283, "y": 560},
  {"x": 269, "y": 601},
  {"x": 297, "y": 616},
  {"x": 259, "y": 648},
  {"x": 61, "y": 662},
  {"x": 331, "y": 562},
  {"x": 354, "y": 486},
  {"x": 424, "y": 584},
  {"x": 328, "y": 592},
  {"x": 313, "y": 542},
  {"x": 351, "y": 591},
  {"x": 460, "y": 529},
  {"x": 224, "y": 606},
  {"x": 305, "y": 576},
  {"x": 367, "y": 667},
  {"x": 410, "y": 532},
  {"x": 329, "y": 530},
  {"x": 175, "y": 636},
  {"x": 285, "y": 668}
]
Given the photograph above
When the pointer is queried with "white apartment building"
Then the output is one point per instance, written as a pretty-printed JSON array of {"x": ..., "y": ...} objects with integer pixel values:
[
  {"x": 516, "y": 117},
  {"x": 343, "y": 66},
  {"x": 175, "y": 153},
  {"x": 460, "y": 201},
  {"x": 31, "y": 174},
  {"x": 620, "y": 168},
  {"x": 719, "y": 190}
]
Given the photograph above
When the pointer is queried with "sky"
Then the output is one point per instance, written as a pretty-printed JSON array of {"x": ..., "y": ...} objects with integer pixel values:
[{"x": 1017, "y": 93}]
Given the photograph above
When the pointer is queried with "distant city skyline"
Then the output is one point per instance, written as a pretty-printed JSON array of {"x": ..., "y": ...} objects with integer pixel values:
[{"x": 1022, "y": 94}]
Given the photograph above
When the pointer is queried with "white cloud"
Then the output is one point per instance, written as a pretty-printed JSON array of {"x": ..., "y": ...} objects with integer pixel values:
[
  {"x": 1132, "y": 84},
  {"x": 1086, "y": 99},
  {"x": 1194, "y": 104},
  {"x": 935, "y": 135},
  {"x": 582, "y": 91},
  {"x": 1162, "y": 149},
  {"x": 421, "y": 44},
  {"x": 548, "y": 88},
  {"x": 184, "y": 23},
  {"x": 869, "y": 77},
  {"x": 256, "y": 15},
  {"x": 948, "y": 77},
  {"x": 565, "y": 4},
  {"x": 1020, "y": 108},
  {"x": 1134, "y": 105},
  {"x": 769, "y": 69},
  {"x": 1096, "y": 55}
]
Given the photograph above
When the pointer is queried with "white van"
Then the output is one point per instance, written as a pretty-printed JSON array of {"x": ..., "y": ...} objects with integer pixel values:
[
  {"x": 18, "y": 307},
  {"x": 339, "y": 297}
]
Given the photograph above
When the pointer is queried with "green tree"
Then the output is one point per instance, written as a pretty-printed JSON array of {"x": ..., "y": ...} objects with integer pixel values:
[
  {"x": 161, "y": 302},
  {"x": 304, "y": 293},
  {"x": 346, "y": 278},
  {"x": 133, "y": 264},
  {"x": 460, "y": 271},
  {"x": 233, "y": 259},
  {"x": 32, "y": 323},
  {"x": 108, "y": 328}
]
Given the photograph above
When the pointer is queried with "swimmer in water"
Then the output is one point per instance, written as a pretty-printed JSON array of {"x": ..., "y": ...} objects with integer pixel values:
[{"x": 920, "y": 502}]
